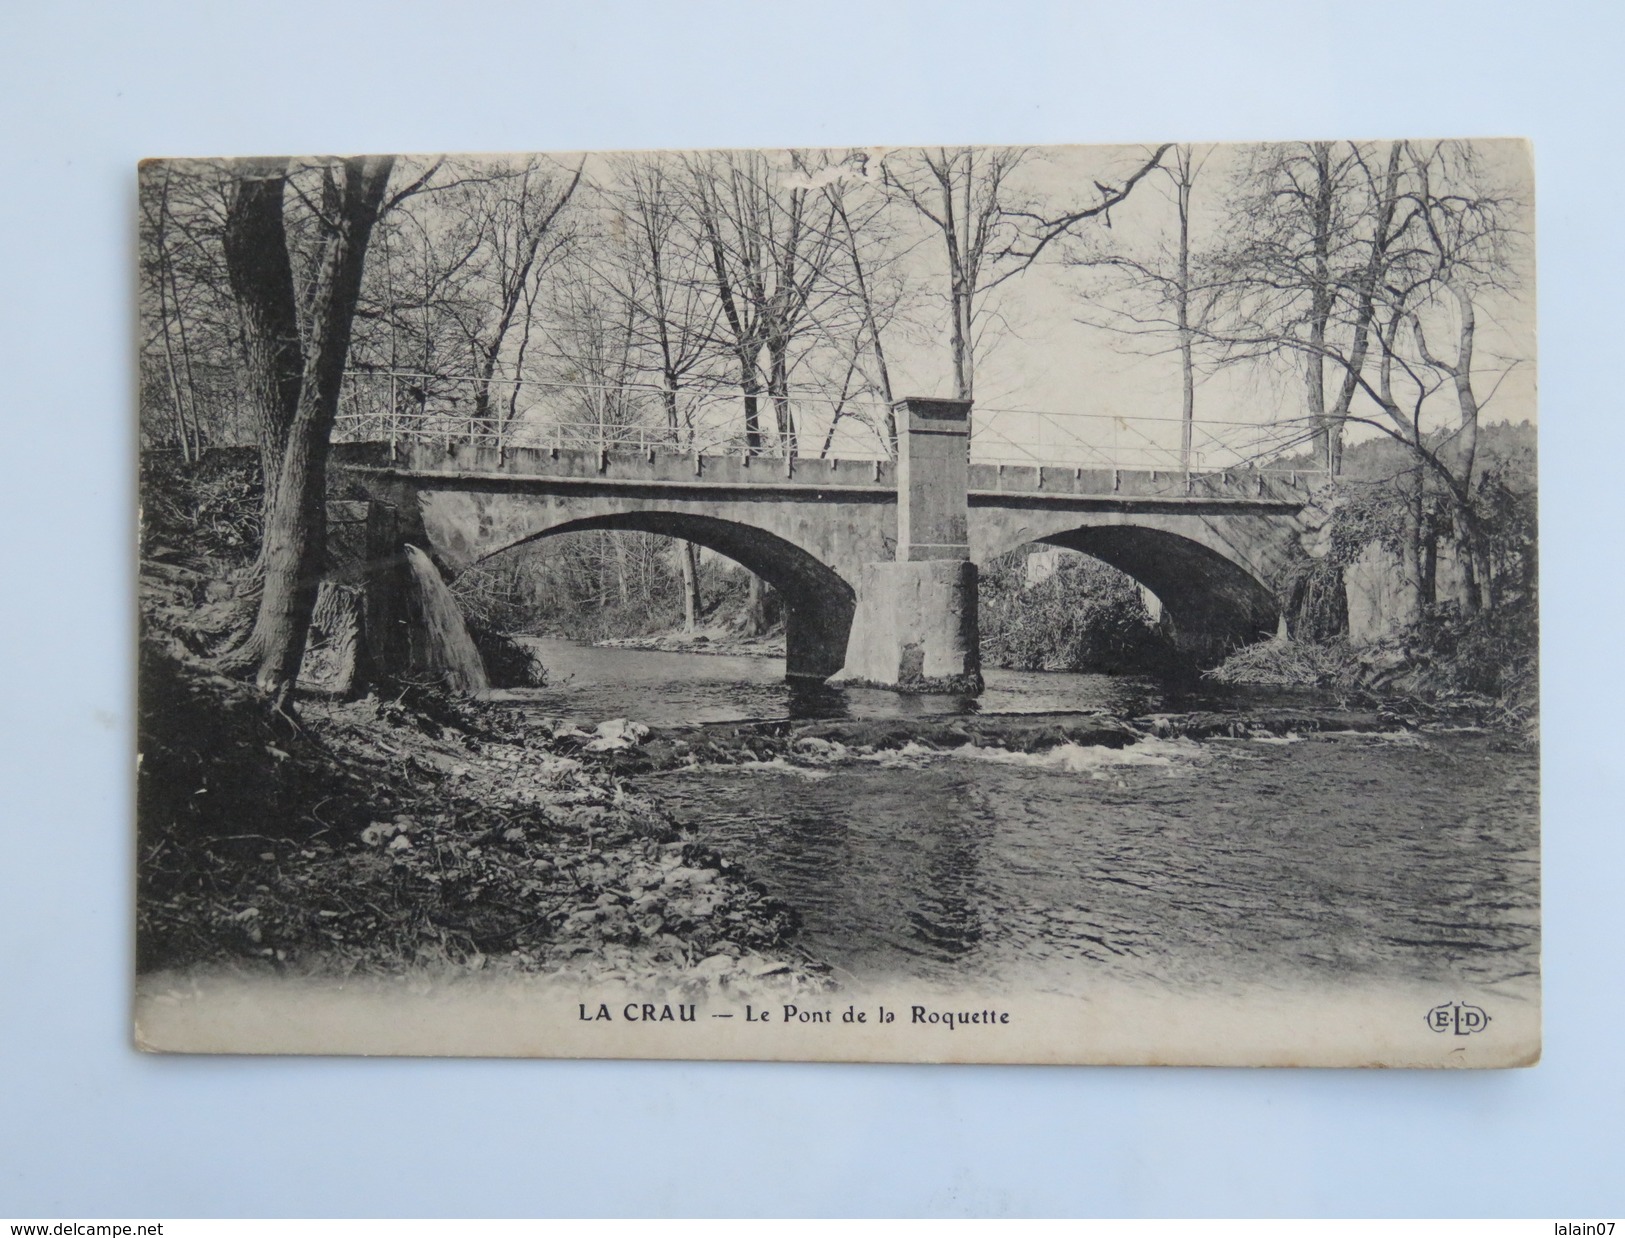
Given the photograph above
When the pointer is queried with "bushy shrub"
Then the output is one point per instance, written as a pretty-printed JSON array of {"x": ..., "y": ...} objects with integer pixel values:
[
  {"x": 1290, "y": 664},
  {"x": 509, "y": 661},
  {"x": 210, "y": 509},
  {"x": 1485, "y": 661},
  {"x": 1087, "y": 616},
  {"x": 1490, "y": 652},
  {"x": 571, "y": 586}
]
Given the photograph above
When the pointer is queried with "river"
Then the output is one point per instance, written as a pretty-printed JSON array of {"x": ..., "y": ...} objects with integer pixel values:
[{"x": 1322, "y": 859}]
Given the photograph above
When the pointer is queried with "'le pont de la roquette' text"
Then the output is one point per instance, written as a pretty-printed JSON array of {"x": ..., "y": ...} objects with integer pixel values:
[{"x": 689, "y": 1012}]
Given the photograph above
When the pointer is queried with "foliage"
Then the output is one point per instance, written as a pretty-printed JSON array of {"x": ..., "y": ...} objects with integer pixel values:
[
  {"x": 209, "y": 509},
  {"x": 1313, "y": 597},
  {"x": 1505, "y": 501},
  {"x": 1491, "y": 653},
  {"x": 595, "y": 586},
  {"x": 509, "y": 661},
  {"x": 1085, "y": 617},
  {"x": 1289, "y": 664},
  {"x": 1484, "y": 662},
  {"x": 1366, "y": 515},
  {"x": 1375, "y": 503}
]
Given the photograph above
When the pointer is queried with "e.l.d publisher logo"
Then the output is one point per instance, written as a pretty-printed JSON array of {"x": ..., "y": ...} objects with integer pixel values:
[{"x": 1458, "y": 1018}]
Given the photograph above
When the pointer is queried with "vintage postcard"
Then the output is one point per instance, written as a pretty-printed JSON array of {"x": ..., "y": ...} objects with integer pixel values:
[{"x": 952, "y": 604}]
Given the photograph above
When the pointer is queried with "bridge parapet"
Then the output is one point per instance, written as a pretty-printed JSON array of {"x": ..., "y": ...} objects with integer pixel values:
[
  {"x": 589, "y": 464},
  {"x": 985, "y": 481},
  {"x": 1247, "y": 484}
]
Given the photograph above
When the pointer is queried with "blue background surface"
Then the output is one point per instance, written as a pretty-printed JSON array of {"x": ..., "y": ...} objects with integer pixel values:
[{"x": 88, "y": 1127}]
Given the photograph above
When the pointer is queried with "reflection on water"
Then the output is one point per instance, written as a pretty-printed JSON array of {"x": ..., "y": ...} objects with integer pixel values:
[
  {"x": 1333, "y": 858},
  {"x": 672, "y": 689},
  {"x": 1337, "y": 858}
]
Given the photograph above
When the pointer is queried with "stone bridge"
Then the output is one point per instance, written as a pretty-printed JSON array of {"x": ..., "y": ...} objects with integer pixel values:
[{"x": 875, "y": 561}]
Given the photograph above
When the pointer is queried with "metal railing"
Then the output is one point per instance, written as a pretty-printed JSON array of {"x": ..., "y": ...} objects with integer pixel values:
[
  {"x": 401, "y": 407},
  {"x": 1109, "y": 440}
]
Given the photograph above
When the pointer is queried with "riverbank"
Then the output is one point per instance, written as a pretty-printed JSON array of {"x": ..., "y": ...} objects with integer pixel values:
[
  {"x": 1480, "y": 669},
  {"x": 406, "y": 834}
]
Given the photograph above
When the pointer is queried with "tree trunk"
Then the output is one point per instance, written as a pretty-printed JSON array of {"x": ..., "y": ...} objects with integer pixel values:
[
  {"x": 261, "y": 276},
  {"x": 182, "y": 437},
  {"x": 296, "y": 483},
  {"x": 1461, "y": 453},
  {"x": 872, "y": 327},
  {"x": 186, "y": 361},
  {"x": 688, "y": 557},
  {"x": 887, "y": 402},
  {"x": 1320, "y": 310},
  {"x": 1182, "y": 306},
  {"x": 755, "y": 617},
  {"x": 1414, "y": 556},
  {"x": 1371, "y": 278},
  {"x": 479, "y": 417},
  {"x": 778, "y": 385},
  {"x": 959, "y": 344},
  {"x": 688, "y": 560},
  {"x": 1427, "y": 544},
  {"x": 188, "y": 435},
  {"x": 1466, "y": 447},
  {"x": 753, "y": 424}
]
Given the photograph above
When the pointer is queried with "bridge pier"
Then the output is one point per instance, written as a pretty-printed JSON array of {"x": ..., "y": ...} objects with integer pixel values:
[{"x": 915, "y": 625}]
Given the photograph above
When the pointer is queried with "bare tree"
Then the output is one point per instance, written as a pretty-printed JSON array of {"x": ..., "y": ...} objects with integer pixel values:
[
  {"x": 767, "y": 237},
  {"x": 189, "y": 347},
  {"x": 801, "y": 252},
  {"x": 727, "y": 210},
  {"x": 594, "y": 330},
  {"x": 869, "y": 269},
  {"x": 989, "y": 232},
  {"x": 519, "y": 216},
  {"x": 1463, "y": 252},
  {"x": 158, "y": 270},
  {"x": 1427, "y": 234},
  {"x": 962, "y": 194},
  {"x": 296, "y": 343},
  {"x": 453, "y": 300},
  {"x": 767, "y": 258},
  {"x": 1315, "y": 227},
  {"x": 662, "y": 280},
  {"x": 1183, "y": 175},
  {"x": 1468, "y": 254},
  {"x": 1156, "y": 291}
]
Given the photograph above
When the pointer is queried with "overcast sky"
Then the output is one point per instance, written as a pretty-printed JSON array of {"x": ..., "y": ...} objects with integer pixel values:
[
  {"x": 1047, "y": 359},
  {"x": 1037, "y": 354}
]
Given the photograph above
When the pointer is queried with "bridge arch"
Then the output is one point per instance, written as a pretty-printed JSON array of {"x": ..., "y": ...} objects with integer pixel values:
[
  {"x": 819, "y": 602},
  {"x": 1213, "y": 588}
]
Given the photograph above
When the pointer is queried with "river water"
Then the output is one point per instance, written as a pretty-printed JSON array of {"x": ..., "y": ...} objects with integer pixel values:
[{"x": 1322, "y": 859}]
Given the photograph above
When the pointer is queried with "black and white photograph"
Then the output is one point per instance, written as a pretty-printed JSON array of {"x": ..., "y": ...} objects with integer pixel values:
[{"x": 1051, "y": 604}]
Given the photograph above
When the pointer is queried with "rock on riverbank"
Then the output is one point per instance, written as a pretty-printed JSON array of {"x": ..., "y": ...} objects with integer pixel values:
[{"x": 388, "y": 835}]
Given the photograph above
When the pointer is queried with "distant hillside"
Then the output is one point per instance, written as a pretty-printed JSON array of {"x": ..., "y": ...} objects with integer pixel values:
[{"x": 1510, "y": 445}]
